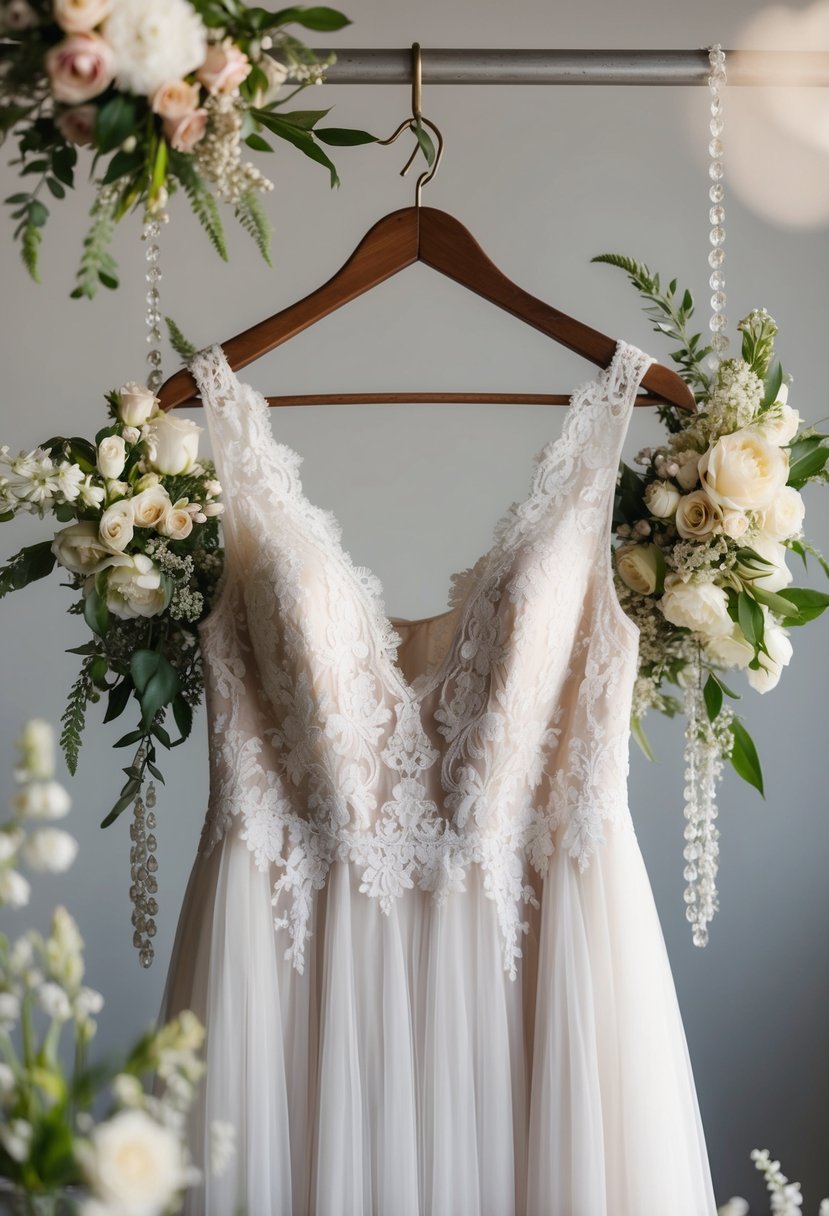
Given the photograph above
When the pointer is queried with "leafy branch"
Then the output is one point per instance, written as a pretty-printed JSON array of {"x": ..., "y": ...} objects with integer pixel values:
[{"x": 670, "y": 316}]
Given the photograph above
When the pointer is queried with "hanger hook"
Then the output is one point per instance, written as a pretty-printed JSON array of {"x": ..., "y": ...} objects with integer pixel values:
[{"x": 416, "y": 124}]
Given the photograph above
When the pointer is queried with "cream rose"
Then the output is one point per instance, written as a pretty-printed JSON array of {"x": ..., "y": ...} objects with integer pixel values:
[
  {"x": 743, "y": 470},
  {"x": 730, "y": 650},
  {"x": 112, "y": 456},
  {"x": 116, "y": 527},
  {"x": 175, "y": 98},
  {"x": 688, "y": 472},
  {"x": 734, "y": 523},
  {"x": 134, "y": 1164},
  {"x": 172, "y": 444},
  {"x": 184, "y": 132},
  {"x": 700, "y": 607},
  {"x": 637, "y": 566},
  {"x": 77, "y": 125},
  {"x": 80, "y": 16},
  {"x": 764, "y": 678},
  {"x": 661, "y": 499},
  {"x": 135, "y": 588},
  {"x": 136, "y": 404},
  {"x": 80, "y": 67},
  {"x": 779, "y": 424},
  {"x": 78, "y": 547},
  {"x": 177, "y": 523},
  {"x": 784, "y": 515},
  {"x": 697, "y": 516},
  {"x": 224, "y": 68},
  {"x": 150, "y": 506}
]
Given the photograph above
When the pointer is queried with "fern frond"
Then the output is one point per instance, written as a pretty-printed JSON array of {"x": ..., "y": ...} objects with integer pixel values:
[
  {"x": 184, "y": 349},
  {"x": 202, "y": 202},
  {"x": 97, "y": 263},
  {"x": 251, "y": 215},
  {"x": 74, "y": 716},
  {"x": 30, "y": 249}
]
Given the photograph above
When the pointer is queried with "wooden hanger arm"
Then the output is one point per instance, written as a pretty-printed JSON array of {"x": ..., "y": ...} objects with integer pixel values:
[{"x": 388, "y": 247}]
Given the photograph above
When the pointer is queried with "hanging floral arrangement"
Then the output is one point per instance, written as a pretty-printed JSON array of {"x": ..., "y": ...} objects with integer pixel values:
[
  {"x": 160, "y": 95},
  {"x": 704, "y": 528}
]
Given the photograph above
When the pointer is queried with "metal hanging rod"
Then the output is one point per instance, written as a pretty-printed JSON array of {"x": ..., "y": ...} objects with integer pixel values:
[{"x": 450, "y": 66}]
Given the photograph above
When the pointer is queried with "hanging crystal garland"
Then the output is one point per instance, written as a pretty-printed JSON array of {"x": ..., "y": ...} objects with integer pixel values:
[
  {"x": 143, "y": 859},
  {"x": 716, "y": 215},
  {"x": 703, "y": 768}
]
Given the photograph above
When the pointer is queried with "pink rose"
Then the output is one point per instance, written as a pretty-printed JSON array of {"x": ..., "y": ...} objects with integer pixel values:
[
  {"x": 175, "y": 98},
  {"x": 185, "y": 132},
  {"x": 18, "y": 15},
  {"x": 79, "y": 16},
  {"x": 224, "y": 69},
  {"x": 77, "y": 126},
  {"x": 80, "y": 67}
]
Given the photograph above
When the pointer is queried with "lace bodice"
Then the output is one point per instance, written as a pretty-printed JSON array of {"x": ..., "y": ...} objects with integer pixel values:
[{"x": 509, "y": 737}]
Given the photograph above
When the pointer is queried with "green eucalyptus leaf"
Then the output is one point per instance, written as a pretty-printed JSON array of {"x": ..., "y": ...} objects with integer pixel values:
[
  {"x": 744, "y": 758},
  {"x": 318, "y": 18},
  {"x": 343, "y": 137},
  {"x": 772, "y": 387},
  {"x": 95, "y": 612},
  {"x": 750, "y": 618},
  {"x": 809, "y": 604},
  {"x": 777, "y": 603},
  {"x": 713, "y": 696}
]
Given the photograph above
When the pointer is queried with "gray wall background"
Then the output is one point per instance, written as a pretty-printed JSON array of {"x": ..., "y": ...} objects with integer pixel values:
[{"x": 545, "y": 178}]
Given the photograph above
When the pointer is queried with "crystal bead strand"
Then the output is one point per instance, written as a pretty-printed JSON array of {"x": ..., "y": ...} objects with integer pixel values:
[
  {"x": 703, "y": 767},
  {"x": 143, "y": 868},
  {"x": 716, "y": 215},
  {"x": 150, "y": 234}
]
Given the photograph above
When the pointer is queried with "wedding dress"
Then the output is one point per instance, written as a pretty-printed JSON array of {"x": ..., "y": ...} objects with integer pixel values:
[{"x": 419, "y": 928}]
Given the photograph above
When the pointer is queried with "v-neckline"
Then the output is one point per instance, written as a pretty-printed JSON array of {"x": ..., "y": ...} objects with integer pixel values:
[{"x": 465, "y": 585}]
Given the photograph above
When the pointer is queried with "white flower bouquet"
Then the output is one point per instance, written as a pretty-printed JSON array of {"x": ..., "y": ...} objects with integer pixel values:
[
  {"x": 142, "y": 553},
  {"x": 704, "y": 529},
  {"x": 163, "y": 93},
  {"x": 56, "y": 1157}
]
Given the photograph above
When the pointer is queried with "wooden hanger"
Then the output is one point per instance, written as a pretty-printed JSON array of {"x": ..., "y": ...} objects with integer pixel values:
[{"x": 425, "y": 234}]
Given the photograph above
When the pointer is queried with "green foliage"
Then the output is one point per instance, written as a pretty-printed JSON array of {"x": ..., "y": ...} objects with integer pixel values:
[
  {"x": 201, "y": 201},
  {"x": 74, "y": 716},
  {"x": 297, "y": 129},
  {"x": 808, "y": 455},
  {"x": 759, "y": 331},
  {"x": 30, "y": 564},
  {"x": 744, "y": 758},
  {"x": 670, "y": 317},
  {"x": 97, "y": 263},
  {"x": 30, "y": 249},
  {"x": 251, "y": 215},
  {"x": 186, "y": 350}
]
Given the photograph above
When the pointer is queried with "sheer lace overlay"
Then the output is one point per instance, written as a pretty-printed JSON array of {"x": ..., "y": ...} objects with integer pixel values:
[{"x": 508, "y": 743}]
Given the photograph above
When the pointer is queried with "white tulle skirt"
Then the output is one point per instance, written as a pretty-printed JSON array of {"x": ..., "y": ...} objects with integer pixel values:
[{"x": 405, "y": 1074}]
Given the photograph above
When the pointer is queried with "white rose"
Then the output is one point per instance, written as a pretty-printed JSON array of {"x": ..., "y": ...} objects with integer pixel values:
[
  {"x": 50, "y": 850},
  {"x": 131, "y": 434},
  {"x": 112, "y": 456},
  {"x": 177, "y": 523},
  {"x": 41, "y": 800},
  {"x": 37, "y": 745},
  {"x": 743, "y": 470},
  {"x": 78, "y": 547},
  {"x": 661, "y": 499},
  {"x": 730, "y": 650},
  {"x": 80, "y": 16},
  {"x": 172, "y": 444},
  {"x": 637, "y": 567},
  {"x": 147, "y": 482},
  {"x": 10, "y": 842},
  {"x": 136, "y": 404},
  {"x": 116, "y": 527},
  {"x": 779, "y": 424},
  {"x": 135, "y": 588},
  {"x": 212, "y": 508},
  {"x": 700, "y": 607},
  {"x": 697, "y": 516},
  {"x": 771, "y": 665},
  {"x": 734, "y": 523},
  {"x": 784, "y": 515},
  {"x": 14, "y": 889},
  {"x": 54, "y": 1001},
  {"x": 770, "y": 578},
  {"x": 150, "y": 506},
  {"x": 134, "y": 1164}
]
